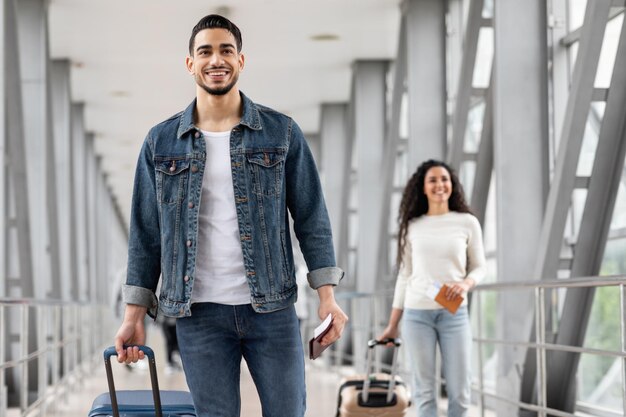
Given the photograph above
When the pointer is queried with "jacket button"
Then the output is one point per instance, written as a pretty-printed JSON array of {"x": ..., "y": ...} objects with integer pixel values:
[
  {"x": 194, "y": 168},
  {"x": 186, "y": 278},
  {"x": 197, "y": 135},
  {"x": 189, "y": 243},
  {"x": 190, "y": 205}
]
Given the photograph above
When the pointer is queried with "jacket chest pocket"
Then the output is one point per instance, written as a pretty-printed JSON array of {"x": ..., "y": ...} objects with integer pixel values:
[
  {"x": 267, "y": 169},
  {"x": 171, "y": 178}
]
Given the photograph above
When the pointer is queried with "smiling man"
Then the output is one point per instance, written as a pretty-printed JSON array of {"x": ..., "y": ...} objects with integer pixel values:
[{"x": 214, "y": 188}]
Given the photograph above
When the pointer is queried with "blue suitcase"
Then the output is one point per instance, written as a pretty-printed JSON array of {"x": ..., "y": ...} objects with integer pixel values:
[{"x": 143, "y": 403}]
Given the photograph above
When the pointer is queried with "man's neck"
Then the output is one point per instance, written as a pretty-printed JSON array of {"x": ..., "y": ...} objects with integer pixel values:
[{"x": 218, "y": 113}]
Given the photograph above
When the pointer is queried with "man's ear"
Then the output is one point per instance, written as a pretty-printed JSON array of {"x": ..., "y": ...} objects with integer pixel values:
[
  {"x": 242, "y": 61},
  {"x": 189, "y": 64}
]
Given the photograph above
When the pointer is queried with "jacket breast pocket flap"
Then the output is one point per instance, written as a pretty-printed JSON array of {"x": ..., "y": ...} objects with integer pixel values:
[
  {"x": 172, "y": 166},
  {"x": 172, "y": 177},
  {"x": 266, "y": 158}
]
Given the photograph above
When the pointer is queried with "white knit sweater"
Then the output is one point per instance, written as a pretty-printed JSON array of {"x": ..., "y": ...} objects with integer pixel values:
[{"x": 442, "y": 248}]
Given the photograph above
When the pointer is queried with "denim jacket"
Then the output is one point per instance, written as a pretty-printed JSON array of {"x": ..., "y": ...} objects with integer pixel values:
[{"x": 273, "y": 173}]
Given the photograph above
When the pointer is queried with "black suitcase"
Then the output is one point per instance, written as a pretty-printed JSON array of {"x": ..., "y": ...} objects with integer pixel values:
[{"x": 142, "y": 403}]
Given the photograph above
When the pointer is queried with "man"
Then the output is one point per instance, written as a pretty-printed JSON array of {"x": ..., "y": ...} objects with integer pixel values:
[{"x": 213, "y": 190}]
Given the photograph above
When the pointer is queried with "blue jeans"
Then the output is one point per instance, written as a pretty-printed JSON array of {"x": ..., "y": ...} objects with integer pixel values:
[
  {"x": 422, "y": 330},
  {"x": 214, "y": 339}
]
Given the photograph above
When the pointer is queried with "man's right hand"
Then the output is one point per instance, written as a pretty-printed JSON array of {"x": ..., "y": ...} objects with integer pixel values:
[{"x": 131, "y": 332}]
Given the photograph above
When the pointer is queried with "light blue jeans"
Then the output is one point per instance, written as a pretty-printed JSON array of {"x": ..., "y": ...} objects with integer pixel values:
[
  {"x": 422, "y": 330},
  {"x": 213, "y": 341}
]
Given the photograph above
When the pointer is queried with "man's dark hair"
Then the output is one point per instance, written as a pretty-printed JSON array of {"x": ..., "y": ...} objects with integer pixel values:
[{"x": 215, "y": 21}]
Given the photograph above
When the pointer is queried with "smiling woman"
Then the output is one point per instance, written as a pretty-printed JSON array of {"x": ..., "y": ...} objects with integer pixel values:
[{"x": 439, "y": 246}]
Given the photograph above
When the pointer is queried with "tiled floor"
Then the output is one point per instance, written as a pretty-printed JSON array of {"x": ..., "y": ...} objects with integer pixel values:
[
  {"x": 322, "y": 396},
  {"x": 321, "y": 388}
]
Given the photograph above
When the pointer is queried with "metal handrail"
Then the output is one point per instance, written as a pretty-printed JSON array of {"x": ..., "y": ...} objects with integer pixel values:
[
  {"x": 67, "y": 333},
  {"x": 540, "y": 345}
]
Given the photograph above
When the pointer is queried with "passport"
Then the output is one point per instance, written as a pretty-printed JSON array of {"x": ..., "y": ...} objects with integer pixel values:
[
  {"x": 437, "y": 292},
  {"x": 315, "y": 345}
]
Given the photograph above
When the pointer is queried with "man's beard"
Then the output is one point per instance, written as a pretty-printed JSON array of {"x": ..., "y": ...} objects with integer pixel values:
[{"x": 217, "y": 91}]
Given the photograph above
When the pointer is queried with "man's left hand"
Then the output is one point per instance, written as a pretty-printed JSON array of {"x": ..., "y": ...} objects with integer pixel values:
[{"x": 328, "y": 305}]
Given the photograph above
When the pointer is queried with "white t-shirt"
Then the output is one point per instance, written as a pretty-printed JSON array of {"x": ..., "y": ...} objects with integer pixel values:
[
  {"x": 220, "y": 273},
  {"x": 444, "y": 248}
]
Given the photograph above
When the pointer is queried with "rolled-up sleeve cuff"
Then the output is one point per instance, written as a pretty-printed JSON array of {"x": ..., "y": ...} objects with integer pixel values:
[
  {"x": 325, "y": 276},
  {"x": 132, "y": 294}
]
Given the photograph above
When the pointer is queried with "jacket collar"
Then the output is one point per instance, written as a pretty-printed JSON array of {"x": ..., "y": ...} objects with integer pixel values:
[{"x": 249, "y": 118}]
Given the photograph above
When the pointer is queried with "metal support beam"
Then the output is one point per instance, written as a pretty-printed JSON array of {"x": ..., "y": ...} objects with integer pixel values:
[
  {"x": 484, "y": 164},
  {"x": 564, "y": 179},
  {"x": 464, "y": 87},
  {"x": 61, "y": 112},
  {"x": 334, "y": 151},
  {"x": 79, "y": 163},
  {"x": 369, "y": 133},
  {"x": 34, "y": 59},
  {"x": 571, "y": 138},
  {"x": 3, "y": 160},
  {"x": 520, "y": 126},
  {"x": 369, "y": 105},
  {"x": 91, "y": 218},
  {"x": 426, "y": 57},
  {"x": 594, "y": 231},
  {"x": 390, "y": 156},
  {"x": 18, "y": 268}
]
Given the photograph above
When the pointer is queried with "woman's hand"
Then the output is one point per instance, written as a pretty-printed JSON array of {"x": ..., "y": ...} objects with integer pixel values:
[
  {"x": 459, "y": 289},
  {"x": 390, "y": 332}
]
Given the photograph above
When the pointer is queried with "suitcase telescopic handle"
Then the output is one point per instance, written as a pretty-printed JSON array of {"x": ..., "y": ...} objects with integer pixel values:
[
  {"x": 110, "y": 351},
  {"x": 371, "y": 344}
]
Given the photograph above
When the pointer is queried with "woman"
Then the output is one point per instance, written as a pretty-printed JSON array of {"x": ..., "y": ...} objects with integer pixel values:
[{"x": 439, "y": 242}]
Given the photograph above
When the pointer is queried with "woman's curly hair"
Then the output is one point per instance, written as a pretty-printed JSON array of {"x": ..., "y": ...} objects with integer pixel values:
[{"x": 414, "y": 202}]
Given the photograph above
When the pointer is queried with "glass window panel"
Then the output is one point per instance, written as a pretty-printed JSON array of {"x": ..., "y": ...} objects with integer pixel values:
[
  {"x": 400, "y": 175},
  {"x": 404, "y": 116},
  {"x": 474, "y": 125},
  {"x": 393, "y": 243},
  {"x": 489, "y": 226},
  {"x": 466, "y": 176},
  {"x": 599, "y": 382},
  {"x": 603, "y": 330},
  {"x": 484, "y": 58},
  {"x": 619, "y": 212},
  {"x": 573, "y": 54},
  {"x": 608, "y": 52},
  {"x": 590, "y": 140},
  {"x": 600, "y": 376},
  {"x": 393, "y": 212},
  {"x": 614, "y": 260},
  {"x": 576, "y": 14},
  {"x": 488, "y": 9},
  {"x": 574, "y": 217}
]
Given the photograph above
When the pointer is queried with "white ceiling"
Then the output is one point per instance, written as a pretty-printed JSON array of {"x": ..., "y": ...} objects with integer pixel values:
[{"x": 128, "y": 61}]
